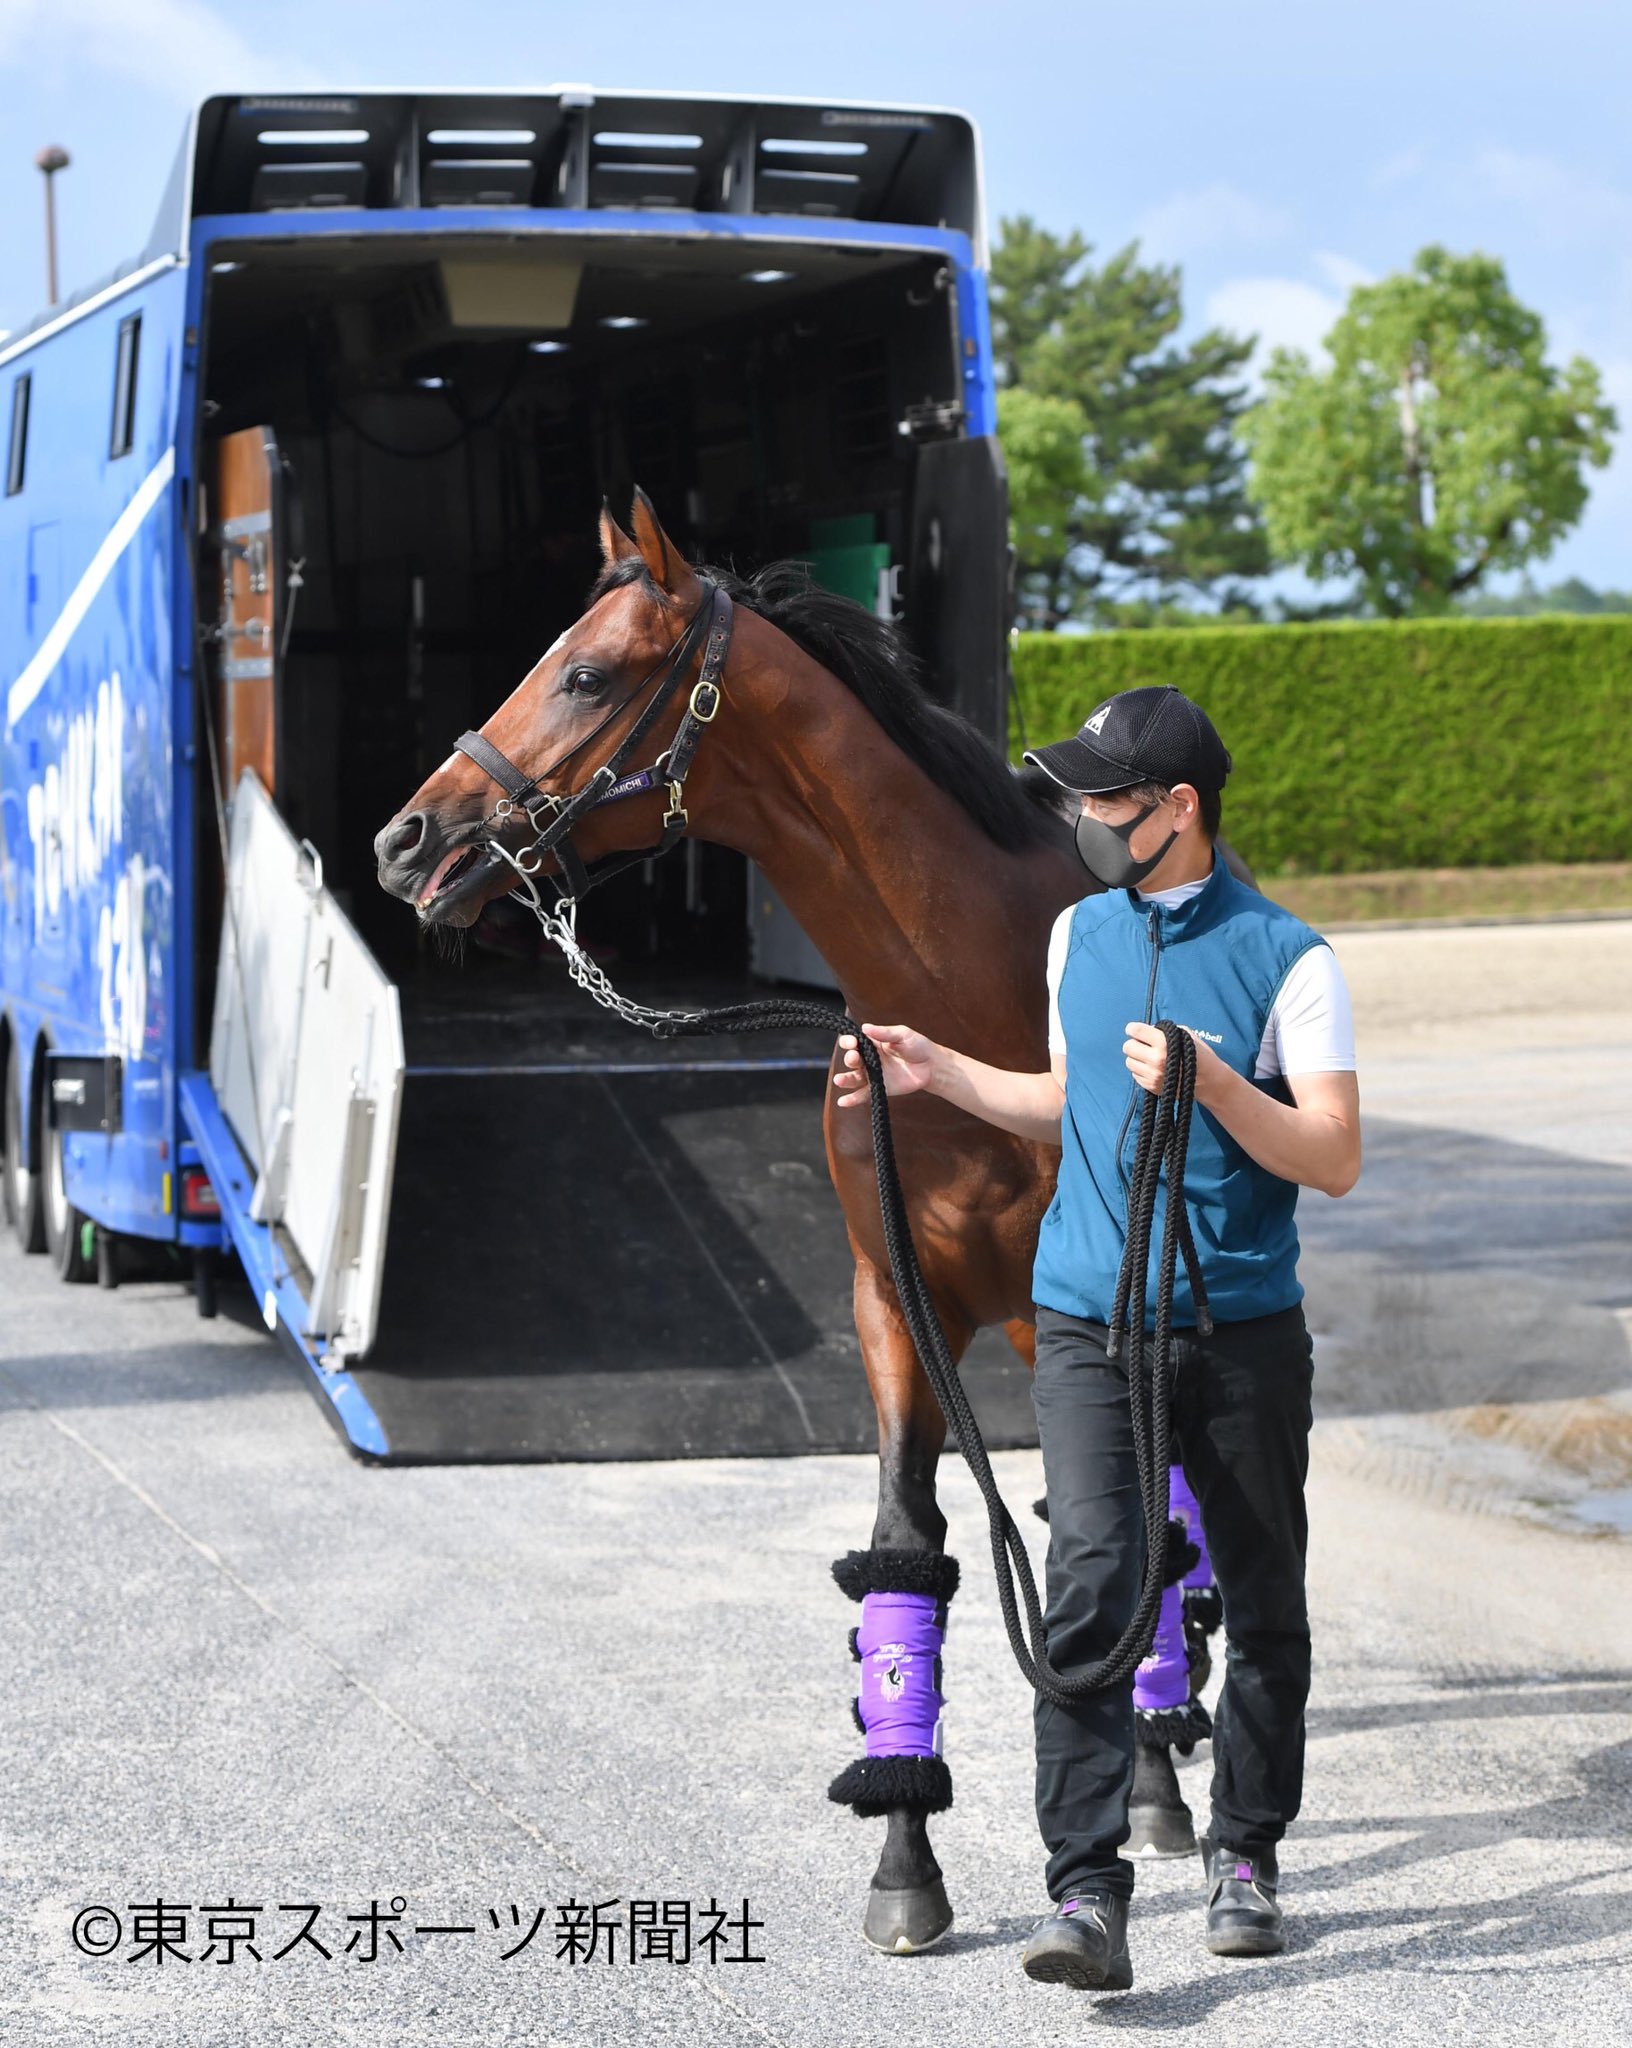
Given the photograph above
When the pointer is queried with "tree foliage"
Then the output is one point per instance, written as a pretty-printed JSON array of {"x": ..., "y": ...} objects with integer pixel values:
[
  {"x": 1045, "y": 451},
  {"x": 1439, "y": 446},
  {"x": 1572, "y": 595},
  {"x": 1126, "y": 476}
]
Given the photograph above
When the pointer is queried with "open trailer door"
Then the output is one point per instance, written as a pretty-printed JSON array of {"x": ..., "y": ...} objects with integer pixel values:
[
  {"x": 251, "y": 506},
  {"x": 296, "y": 1120},
  {"x": 958, "y": 608}
]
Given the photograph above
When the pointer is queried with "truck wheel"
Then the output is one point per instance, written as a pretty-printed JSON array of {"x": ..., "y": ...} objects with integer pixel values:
[
  {"x": 24, "y": 1198},
  {"x": 70, "y": 1238},
  {"x": 204, "y": 1280}
]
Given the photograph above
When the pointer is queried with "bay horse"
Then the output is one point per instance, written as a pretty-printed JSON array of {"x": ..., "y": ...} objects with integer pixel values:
[{"x": 927, "y": 874}]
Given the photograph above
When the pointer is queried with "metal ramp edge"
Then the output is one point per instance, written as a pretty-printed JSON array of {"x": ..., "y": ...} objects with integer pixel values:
[{"x": 283, "y": 1307}]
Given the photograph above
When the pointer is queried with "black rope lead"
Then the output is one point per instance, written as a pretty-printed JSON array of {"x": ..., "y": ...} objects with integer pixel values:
[{"x": 1164, "y": 1136}]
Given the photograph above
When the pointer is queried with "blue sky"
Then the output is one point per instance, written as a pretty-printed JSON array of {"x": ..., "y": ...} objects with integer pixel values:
[{"x": 1278, "y": 149}]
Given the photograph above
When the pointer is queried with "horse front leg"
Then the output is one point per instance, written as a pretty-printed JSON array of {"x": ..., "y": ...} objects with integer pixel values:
[
  {"x": 903, "y": 1582},
  {"x": 1168, "y": 1710}
]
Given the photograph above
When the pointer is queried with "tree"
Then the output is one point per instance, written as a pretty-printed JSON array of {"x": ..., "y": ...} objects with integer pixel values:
[
  {"x": 1572, "y": 595},
  {"x": 1153, "y": 504},
  {"x": 1044, "y": 449},
  {"x": 1440, "y": 445}
]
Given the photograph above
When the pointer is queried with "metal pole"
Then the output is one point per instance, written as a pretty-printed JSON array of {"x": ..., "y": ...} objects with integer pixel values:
[{"x": 49, "y": 162}]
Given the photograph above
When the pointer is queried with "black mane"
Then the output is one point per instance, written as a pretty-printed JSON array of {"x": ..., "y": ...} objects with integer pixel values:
[{"x": 868, "y": 655}]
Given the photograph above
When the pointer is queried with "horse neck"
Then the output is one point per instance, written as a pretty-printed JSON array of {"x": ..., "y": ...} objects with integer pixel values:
[{"x": 922, "y": 918}]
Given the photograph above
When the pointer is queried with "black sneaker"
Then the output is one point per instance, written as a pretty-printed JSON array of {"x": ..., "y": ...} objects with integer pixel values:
[
  {"x": 1083, "y": 1943},
  {"x": 1243, "y": 1918}
]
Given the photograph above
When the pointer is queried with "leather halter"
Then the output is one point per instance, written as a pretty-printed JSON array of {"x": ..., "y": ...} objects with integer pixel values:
[{"x": 553, "y": 817}]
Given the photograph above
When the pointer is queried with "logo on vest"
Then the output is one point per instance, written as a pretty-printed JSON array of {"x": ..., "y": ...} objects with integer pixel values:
[{"x": 1212, "y": 1037}]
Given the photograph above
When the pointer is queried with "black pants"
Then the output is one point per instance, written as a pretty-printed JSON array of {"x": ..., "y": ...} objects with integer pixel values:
[{"x": 1241, "y": 1420}]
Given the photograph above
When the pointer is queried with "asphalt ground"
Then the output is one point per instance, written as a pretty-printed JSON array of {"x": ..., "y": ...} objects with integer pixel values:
[
  {"x": 1471, "y": 1299},
  {"x": 238, "y": 1665}
]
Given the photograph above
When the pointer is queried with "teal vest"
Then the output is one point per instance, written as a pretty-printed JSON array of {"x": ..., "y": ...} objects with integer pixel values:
[{"x": 1214, "y": 964}]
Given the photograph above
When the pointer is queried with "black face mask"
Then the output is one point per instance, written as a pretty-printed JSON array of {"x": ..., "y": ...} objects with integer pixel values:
[{"x": 1103, "y": 850}]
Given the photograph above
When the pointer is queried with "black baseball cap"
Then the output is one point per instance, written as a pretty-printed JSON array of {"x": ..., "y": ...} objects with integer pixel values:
[{"x": 1153, "y": 734}]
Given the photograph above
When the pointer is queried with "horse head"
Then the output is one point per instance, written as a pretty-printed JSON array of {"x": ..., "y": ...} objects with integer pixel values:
[{"x": 563, "y": 720}]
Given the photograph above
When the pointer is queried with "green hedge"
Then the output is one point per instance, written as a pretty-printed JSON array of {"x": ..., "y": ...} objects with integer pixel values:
[{"x": 1444, "y": 743}]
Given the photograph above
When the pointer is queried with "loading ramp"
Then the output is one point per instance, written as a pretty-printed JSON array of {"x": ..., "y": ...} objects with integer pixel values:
[{"x": 580, "y": 1242}]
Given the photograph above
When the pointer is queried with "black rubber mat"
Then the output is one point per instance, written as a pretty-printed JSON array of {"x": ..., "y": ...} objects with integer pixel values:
[{"x": 613, "y": 1262}]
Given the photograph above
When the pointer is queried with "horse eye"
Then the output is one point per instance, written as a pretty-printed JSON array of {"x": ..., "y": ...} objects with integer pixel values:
[{"x": 582, "y": 682}]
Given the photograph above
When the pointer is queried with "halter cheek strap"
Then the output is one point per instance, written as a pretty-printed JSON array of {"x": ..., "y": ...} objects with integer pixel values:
[{"x": 553, "y": 817}]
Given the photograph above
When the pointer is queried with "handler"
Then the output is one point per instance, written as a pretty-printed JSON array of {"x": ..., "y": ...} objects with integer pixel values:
[{"x": 1276, "y": 1107}]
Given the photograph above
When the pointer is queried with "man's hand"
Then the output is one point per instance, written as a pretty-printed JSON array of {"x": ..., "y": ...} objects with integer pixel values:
[
  {"x": 910, "y": 1063},
  {"x": 1145, "y": 1051}
]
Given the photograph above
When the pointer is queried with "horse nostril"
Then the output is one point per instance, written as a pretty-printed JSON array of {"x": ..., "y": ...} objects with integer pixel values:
[{"x": 400, "y": 837}]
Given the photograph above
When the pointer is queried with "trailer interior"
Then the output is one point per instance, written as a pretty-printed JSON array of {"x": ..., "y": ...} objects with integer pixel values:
[{"x": 448, "y": 414}]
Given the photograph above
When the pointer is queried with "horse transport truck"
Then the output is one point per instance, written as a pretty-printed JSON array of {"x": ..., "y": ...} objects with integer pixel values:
[{"x": 292, "y": 500}]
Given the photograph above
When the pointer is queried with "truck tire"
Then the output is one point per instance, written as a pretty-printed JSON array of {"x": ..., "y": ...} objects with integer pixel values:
[
  {"x": 70, "y": 1238},
  {"x": 204, "y": 1260},
  {"x": 24, "y": 1197}
]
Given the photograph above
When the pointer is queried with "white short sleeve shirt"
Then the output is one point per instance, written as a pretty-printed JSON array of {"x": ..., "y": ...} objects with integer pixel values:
[{"x": 1310, "y": 1029}]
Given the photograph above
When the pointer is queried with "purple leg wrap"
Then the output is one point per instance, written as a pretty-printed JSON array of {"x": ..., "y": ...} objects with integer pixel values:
[
  {"x": 1163, "y": 1680},
  {"x": 1167, "y": 1686},
  {"x": 899, "y": 1644},
  {"x": 903, "y": 1596},
  {"x": 1183, "y": 1509}
]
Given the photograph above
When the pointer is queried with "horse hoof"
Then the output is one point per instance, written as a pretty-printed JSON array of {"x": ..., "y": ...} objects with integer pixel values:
[
  {"x": 1153, "y": 1831},
  {"x": 900, "y": 1923},
  {"x": 1159, "y": 1822}
]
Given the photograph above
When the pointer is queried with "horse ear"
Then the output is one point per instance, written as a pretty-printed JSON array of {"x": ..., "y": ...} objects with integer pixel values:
[
  {"x": 615, "y": 543},
  {"x": 669, "y": 568}
]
